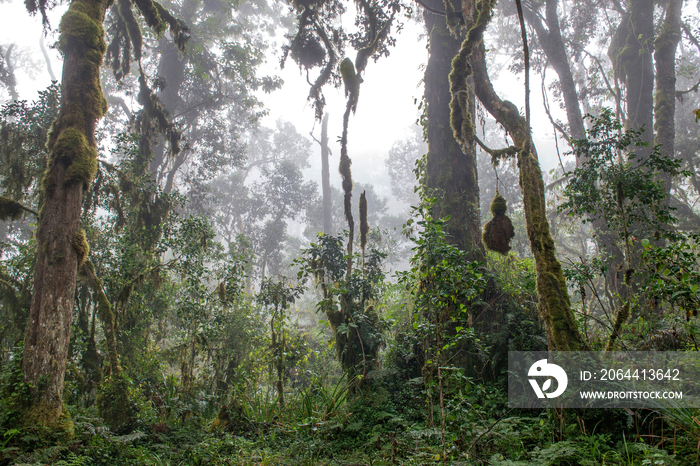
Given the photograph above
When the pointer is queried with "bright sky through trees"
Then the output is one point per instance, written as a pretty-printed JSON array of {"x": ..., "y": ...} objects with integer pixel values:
[{"x": 386, "y": 110}]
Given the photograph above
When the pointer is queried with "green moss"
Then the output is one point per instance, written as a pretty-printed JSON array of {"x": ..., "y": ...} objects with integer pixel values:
[
  {"x": 364, "y": 226},
  {"x": 72, "y": 149},
  {"x": 79, "y": 30},
  {"x": 45, "y": 414},
  {"x": 81, "y": 247},
  {"x": 9, "y": 209},
  {"x": 90, "y": 266},
  {"x": 82, "y": 169},
  {"x": 345, "y": 173},
  {"x": 149, "y": 9},
  {"x": 81, "y": 39},
  {"x": 664, "y": 109},
  {"x": 460, "y": 119},
  {"x": 132, "y": 26}
]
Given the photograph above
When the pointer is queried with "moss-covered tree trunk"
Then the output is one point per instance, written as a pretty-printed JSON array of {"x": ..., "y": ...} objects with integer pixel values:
[
  {"x": 61, "y": 243},
  {"x": 554, "y": 303},
  {"x": 451, "y": 172}
]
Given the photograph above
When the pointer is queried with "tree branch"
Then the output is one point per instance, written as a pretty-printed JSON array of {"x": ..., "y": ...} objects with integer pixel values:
[
  {"x": 46, "y": 58},
  {"x": 497, "y": 154},
  {"x": 690, "y": 35},
  {"x": 12, "y": 209},
  {"x": 432, "y": 10}
]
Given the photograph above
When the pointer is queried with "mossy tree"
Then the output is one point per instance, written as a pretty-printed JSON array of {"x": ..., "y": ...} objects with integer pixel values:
[
  {"x": 72, "y": 163},
  {"x": 7, "y": 71},
  {"x": 554, "y": 303},
  {"x": 451, "y": 173},
  {"x": 208, "y": 91}
]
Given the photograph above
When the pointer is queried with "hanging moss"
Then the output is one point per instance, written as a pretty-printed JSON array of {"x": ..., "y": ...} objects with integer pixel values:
[
  {"x": 132, "y": 27},
  {"x": 499, "y": 230},
  {"x": 363, "y": 54},
  {"x": 150, "y": 12},
  {"x": 352, "y": 82},
  {"x": 104, "y": 307},
  {"x": 180, "y": 32},
  {"x": 81, "y": 247},
  {"x": 9, "y": 209}
]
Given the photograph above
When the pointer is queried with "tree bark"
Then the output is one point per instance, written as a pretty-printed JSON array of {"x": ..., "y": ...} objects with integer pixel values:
[
  {"x": 451, "y": 173},
  {"x": 61, "y": 244}
]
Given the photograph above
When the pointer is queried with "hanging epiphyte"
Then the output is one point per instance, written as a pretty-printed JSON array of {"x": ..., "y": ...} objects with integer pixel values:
[{"x": 499, "y": 230}]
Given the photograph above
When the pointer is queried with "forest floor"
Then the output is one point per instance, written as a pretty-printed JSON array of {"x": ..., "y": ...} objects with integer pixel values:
[{"x": 382, "y": 428}]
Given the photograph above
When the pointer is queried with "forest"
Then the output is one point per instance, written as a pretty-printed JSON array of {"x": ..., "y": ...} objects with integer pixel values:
[{"x": 186, "y": 281}]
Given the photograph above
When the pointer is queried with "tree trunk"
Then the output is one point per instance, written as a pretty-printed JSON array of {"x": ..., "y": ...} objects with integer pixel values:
[
  {"x": 105, "y": 314},
  {"x": 630, "y": 53},
  {"x": 10, "y": 68},
  {"x": 665, "y": 56},
  {"x": 451, "y": 172},
  {"x": 326, "y": 179},
  {"x": 61, "y": 243},
  {"x": 553, "y": 46}
]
